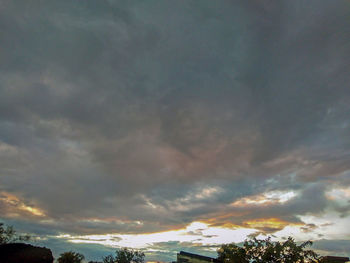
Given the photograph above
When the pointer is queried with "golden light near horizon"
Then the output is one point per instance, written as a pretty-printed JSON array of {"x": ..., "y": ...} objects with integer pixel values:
[
  {"x": 17, "y": 206},
  {"x": 267, "y": 223},
  {"x": 201, "y": 234},
  {"x": 196, "y": 233}
]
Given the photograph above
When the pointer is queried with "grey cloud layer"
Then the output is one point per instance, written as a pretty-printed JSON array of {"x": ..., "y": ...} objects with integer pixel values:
[{"x": 118, "y": 110}]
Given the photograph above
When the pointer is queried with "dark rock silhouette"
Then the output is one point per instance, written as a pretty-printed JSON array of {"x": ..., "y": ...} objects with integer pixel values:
[
  {"x": 332, "y": 259},
  {"x": 24, "y": 253}
]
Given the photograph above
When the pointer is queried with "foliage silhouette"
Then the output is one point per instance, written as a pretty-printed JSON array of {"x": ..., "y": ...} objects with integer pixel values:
[
  {"x": 108, "y": 259},
  {"x": 267, "y": 251},
  {"x": 70, "y": 257},
  {"x": 9, "y": 235},
  {"x": 125, "y": 255}
]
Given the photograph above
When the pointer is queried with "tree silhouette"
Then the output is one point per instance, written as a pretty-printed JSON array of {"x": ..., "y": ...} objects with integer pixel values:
[
  {"x": 70, "y": 257},
  {"x": 125, "y": 255},
  {"x": 266, "y": 251},
  {"x": 9, "y": 235}
]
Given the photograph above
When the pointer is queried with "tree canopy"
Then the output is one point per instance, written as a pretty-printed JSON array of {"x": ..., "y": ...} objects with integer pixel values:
[
  {"x": 9, "y": 235},
  {"x": 125, "y": 255},
  {"x": 267, "y": 251},
  {"x": 70, "y": 257}
]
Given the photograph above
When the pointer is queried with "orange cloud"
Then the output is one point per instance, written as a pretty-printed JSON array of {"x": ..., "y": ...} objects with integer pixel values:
[
  {"x": 267, "y": 224},
  {"x": 14, "y": 206}
]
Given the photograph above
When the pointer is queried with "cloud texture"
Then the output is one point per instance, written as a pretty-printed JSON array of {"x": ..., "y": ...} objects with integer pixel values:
[{"x": 136, "y": 117}]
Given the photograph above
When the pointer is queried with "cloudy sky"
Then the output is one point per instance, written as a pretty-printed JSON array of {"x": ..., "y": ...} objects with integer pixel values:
[{"x": 175, "y": 125}]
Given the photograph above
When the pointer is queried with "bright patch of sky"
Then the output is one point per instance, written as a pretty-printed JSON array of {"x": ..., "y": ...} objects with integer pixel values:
[
  {"x": 266, "y": 198},
  {"x": 196, "y": 232}
]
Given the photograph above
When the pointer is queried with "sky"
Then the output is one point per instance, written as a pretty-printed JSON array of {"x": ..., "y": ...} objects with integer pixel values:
[{"x": 175, "y": 125}]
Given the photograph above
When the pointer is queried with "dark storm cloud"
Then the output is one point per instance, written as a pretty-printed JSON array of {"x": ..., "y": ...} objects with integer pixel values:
[{"x": 119, "y": 112}]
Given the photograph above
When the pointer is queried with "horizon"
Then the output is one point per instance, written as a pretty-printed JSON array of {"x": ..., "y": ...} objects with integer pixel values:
[{"x": 172, "y": 125}]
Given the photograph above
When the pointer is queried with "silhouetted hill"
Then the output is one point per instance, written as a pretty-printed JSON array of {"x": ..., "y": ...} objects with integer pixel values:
[{"x": 24, "y": 253}]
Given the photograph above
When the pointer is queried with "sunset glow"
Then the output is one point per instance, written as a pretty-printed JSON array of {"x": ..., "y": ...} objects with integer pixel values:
[
  {"x": 209, "y": 236},
  {"x": 16, "y": 207},
  {"x": 171, "y": 126}
]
